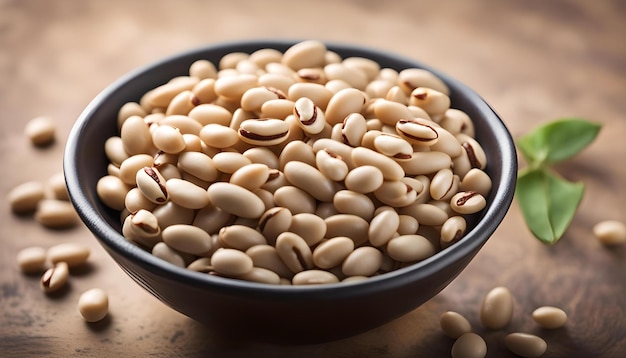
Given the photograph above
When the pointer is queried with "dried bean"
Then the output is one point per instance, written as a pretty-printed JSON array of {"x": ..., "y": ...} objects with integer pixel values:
[
  {"x": 549, "y": 317},
  {"x": 410, "y": 248},
  {"x": 310, "y": 227},
  {"x": 253, "y": 99},
  {"x": 454, "y": 325},
  {"x": 56, "y": 214},
  {"x": 240, "y": 237},
  {"x": 295, "y": 199},
  {"x": 187, "y": 238},
  {"x": 231, "y": 262},
  {"x": 55, "y": 277},
  {"x": 496, "y": 310},
  {"x": 309, "y": 116},
  {"x": 161, "y": 96},
  {"x": 266, "y": 256},
  {"x": 363, "y": 261},
  {"x": 417, "y": 131},
  {"x": 187, "y": 194},
  {"x": 202, "y": 69},
  {"x": 31, "y": 259},
  {"x": 525, "y": 345},
  {"x": 260, "y": 275},
  {"x": 408, "y": 225},
  {"x": 387, "y": 166},
  {"x": 211, "y": 219},
  {"x": 182, "y": 103},
  {"x": 610, "y": 232},
  {"x": 383, "y": 227},
  {"x": 130, "y": 166},
  {"x": 452, "y": 230},
  {"x": 476, "y": 180},
  {"x": 309, "y": 179},
  {"x": 317, "y": 93},
  {"x": 25, "y": 197},
  {"x": 202, "y": 264},
  {"x": 410, "y": 79},
  {"x": 352, "y": 202},
  {"x": 338, "y": 148},
  {"x": 40, "y": 131},
  {"x": 171, "y": 213},
  {"x": 354, "y": 77},
  {"x": 332, "y": 252},
  {"x": 296, "y": 151},
  {"x": 364, "y": 179},
  {"x": 469, "y": 345},
  {"x": 277, "y": 108},
  {"x": 71, "y": 253},
  {"x": 93, "y": 304},
  {"x": 426, "y": 214},
  {"x": 262, "y": 155},
  {"x": 277, "y": 80},
  {"x": 294, "y": 252},
  {"x": 236, "y": 200},
  {"x": 114, "y": 150},
  {"x": 264, "y": 132},
  {"x": 152, "y": 185},
  {"x": 229, "y": 162},
  {"x": 432, "y": 101},
  {"x": 218, "y": 136},
  {"x": 210, "y": 113},
  {"x": 344, "y": 102},
  {"x": 136, "y": 136},
  {"x": 305, "y": 54},
  {"x": 314, "y": 277},
  {"x": 422, "y": 163},
  {"x": 467, "y": 202},
  {"x": 443, "y": 185},
  {"x": 447, "y": 143},
  {"x": 312, "y": 75},
  {"x": 233, "y": 87},
  {"x": 129, "y": 109},
  {"x": 352, "y": 226}
]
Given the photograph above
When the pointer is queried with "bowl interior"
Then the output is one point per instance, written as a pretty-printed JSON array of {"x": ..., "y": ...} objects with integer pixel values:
[{"x": 85, "y": 162}]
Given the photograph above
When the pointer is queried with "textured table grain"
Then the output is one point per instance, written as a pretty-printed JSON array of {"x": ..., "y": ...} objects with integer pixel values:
[{"x": 533, "y": 61}]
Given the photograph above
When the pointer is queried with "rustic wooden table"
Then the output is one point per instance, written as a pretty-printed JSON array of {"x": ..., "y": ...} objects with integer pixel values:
[{"x": 532, "y": 60}]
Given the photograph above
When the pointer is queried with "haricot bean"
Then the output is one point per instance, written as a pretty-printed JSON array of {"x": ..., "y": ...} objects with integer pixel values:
[
  {"x": 40, "y": 131},
  {"x": 93, "y": 304},
  {"x": 497, "y": 308},
  {"x": 292, "y": 168}
]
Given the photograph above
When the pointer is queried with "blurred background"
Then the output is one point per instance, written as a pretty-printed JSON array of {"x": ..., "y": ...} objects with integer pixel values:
[{"x": 532, "y": 60}]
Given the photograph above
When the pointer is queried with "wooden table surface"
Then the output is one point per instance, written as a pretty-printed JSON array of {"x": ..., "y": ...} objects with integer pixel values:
[{"x": 532, "y": 60}]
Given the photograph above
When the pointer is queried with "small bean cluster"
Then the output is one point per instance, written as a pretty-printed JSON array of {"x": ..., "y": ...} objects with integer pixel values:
[
  {"x": 295, "y": 168},
  {"x": 50, "y": 204},
  {"x": 496, "y": 313},
  {"x": 93, "y": 304}
]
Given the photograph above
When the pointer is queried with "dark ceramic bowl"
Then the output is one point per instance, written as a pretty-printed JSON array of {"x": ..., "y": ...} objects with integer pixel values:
[{"x": 283, "y": 314}]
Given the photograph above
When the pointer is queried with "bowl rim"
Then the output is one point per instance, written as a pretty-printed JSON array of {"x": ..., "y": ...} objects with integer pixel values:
[{"x": 111, "y": 239}]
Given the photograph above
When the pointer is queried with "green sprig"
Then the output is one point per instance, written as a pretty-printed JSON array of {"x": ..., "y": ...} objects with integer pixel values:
[{"x": 547, "y": 200}]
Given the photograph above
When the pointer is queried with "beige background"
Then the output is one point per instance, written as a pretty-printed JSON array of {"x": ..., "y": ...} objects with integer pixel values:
[{"x": 533, "y": 61}]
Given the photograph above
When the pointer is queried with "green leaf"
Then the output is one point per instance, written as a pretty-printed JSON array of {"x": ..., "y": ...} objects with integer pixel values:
[
  {"x": 548, "y": 202},
  {"x": 565, "y": 197},
  {"x": 531, "y": 196},
  {"x": 557, "y": 140},
  {"x": 532, "y": 147}
]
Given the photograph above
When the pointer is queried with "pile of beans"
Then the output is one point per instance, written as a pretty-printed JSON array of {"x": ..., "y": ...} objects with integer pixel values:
[
  {"x": 295, "y": 168},
  {"x": 496, "y": 313}
]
